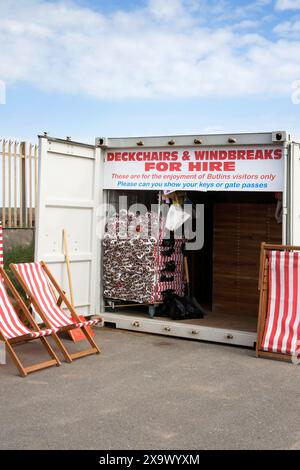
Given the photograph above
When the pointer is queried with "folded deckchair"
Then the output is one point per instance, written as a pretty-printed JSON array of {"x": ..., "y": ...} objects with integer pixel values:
[
  {"x": 13, "y": 331},
  {"x": 40, "y": 287},
  {"x": 279, "y": 310}
]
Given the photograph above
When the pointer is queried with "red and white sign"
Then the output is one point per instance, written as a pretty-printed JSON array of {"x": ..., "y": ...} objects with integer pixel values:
[{"x": 199, "y": 169}]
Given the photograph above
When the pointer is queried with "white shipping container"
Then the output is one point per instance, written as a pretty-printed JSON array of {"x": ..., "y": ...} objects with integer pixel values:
[{"x": 75, "y": 179}]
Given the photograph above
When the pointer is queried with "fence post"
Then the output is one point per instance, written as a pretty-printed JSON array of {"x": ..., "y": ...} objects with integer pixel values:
[
  {"x": 3, "y": 184},
  {"x": 9, "y": 182},
  {"x": 23, "y": 201},
  {"x": 18, "y": 183}
]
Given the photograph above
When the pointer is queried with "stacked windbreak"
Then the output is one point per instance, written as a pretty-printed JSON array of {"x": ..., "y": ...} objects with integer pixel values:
[{"x": 138, "y": 264}]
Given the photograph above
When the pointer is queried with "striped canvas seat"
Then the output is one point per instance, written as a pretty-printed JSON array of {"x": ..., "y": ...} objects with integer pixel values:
[
  {"x": 282, "y": 329},
  {"x": 87, "y": 323},
  {"x": 41, "y": 289},
  {"x": 10, "y": 325},
  {"x": 38, "y": 286}
]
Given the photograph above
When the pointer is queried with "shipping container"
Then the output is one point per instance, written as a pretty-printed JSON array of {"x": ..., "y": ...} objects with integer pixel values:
[{"x": 248, "y": 186}]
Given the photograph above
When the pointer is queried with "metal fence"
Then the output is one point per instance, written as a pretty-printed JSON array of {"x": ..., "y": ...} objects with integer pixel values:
[{"x": 19, "y": 177}]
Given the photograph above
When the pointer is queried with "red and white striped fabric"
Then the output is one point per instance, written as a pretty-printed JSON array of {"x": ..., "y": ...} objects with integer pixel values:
[
  {"x": 282, "y": 331},
  {"x": 38, "y": 285},
  {"x": 1, "y": 246},
  {"x": 10, "y": 324},
  {"x": 87, "y": 323}
]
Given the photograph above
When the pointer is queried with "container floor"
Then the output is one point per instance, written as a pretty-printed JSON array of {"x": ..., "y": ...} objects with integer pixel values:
[{"x": 214, "y": 320}]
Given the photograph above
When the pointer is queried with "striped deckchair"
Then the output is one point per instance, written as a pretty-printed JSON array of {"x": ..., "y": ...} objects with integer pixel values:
[
  {"x": 40, "y": 287},
  {"x": 279, "y": 311},
  {"x": 13, "y": 331}
]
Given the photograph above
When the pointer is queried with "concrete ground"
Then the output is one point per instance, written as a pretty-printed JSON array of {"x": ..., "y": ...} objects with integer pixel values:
[{"x": 152, "y": 392}]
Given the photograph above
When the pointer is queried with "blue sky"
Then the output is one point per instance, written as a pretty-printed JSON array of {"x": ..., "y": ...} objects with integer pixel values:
[{"x": 87, "y": 68}]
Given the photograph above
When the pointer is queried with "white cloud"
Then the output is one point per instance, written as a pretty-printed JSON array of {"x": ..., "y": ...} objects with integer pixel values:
[
  {"x": 158, "y": 51},
  {"x": 247, "y": 24},
  {"x": 288, "y": 4},
  {"x": 288, "y": 28},
  {"x": 166, "y": 9}
]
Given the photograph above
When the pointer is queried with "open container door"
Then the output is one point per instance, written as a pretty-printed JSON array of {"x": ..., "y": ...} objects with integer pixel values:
[
  {"x": 294, "y": 195},
  {"x": 68, "y": 198}
]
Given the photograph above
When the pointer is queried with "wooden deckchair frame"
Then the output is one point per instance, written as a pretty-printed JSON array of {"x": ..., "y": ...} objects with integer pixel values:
[
  {"x": 263, "y": 299},
  {"x": 62, "y": 299},
  {"x": 9, "y": 343}
]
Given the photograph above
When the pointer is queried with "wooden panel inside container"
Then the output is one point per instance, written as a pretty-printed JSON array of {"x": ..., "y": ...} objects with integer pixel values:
[{"x": 239, "y": 230}]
